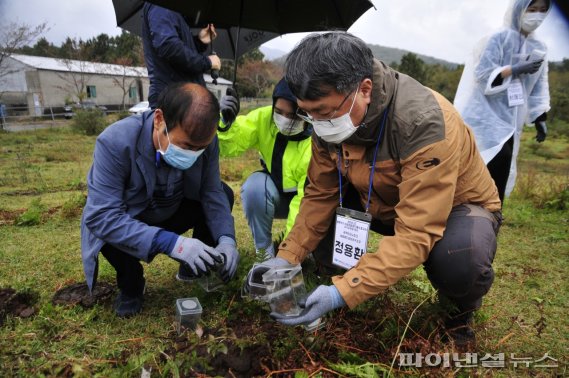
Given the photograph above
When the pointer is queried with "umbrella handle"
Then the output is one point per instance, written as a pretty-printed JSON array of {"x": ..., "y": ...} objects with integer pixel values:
[{"x": 214, "y": 73}]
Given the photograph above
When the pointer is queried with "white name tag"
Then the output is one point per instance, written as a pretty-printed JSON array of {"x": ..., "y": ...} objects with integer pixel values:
[
  {"x": 515, "y": 93},
  {"x": 350, "y": 240}
]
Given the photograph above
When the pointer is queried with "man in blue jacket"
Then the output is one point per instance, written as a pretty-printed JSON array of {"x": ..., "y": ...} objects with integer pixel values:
[
  {"x": 172, "y": 54},
  {"x": 155, "y": 176}
]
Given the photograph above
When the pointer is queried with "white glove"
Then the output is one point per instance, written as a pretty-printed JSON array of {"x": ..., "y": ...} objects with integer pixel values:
[
  {"x": 228, "y": 249},
  {"x": 195, "y": 254},
  {"x": 320, "y": 301}
]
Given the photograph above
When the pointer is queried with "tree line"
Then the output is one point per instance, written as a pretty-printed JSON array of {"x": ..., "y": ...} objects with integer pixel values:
[
  {"x": 256, "y": 77},
  {"x": 124, "y": 49}
]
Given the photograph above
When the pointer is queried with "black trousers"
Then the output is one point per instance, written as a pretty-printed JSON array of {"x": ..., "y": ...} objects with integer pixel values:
[
  {"x": 190, "y": 215},
  {"x": 460, "y": 264},
  {"x": 499, "y": 167}
]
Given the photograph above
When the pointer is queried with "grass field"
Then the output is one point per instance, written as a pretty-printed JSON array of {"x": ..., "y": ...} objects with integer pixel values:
[{"x": 42, "y": 190}]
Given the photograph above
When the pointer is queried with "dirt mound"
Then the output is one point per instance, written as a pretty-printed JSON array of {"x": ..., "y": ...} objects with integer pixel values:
[
  {"x": 231, "y": 351},
  {"x": 241, "y": 362},
  {"x": 17, "y": 303},
  {"x": 78, "y": 293},
  {"x": 9, "y": 217},
  {"x": 250, "y": 344},
  {"x": 219, "y": 356}
]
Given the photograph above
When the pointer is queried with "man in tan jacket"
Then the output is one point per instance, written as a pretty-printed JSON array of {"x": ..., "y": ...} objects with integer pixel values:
[{"x": 395, "y": 155}]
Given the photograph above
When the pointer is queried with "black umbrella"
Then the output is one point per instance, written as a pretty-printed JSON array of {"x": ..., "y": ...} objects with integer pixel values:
[
  {"x": 231, "y": 42},
  {"x": 275, "y": 16}
]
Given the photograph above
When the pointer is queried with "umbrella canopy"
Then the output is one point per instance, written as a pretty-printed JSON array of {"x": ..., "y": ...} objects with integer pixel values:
[
  {"x": 251, "y": 22},
  {"x": 129, "y": 17},
  {"x": 277, "y": 16}
]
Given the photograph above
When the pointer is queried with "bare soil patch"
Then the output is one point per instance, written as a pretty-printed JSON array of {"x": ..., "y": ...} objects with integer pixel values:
[{"x": 15, "y": 303}]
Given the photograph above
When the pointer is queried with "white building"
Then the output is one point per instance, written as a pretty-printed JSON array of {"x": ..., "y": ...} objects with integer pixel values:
[{"x": 37, "y": 83}]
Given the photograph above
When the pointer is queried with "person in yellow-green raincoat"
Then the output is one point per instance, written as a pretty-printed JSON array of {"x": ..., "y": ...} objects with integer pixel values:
[{"x": 283, "y": 141}]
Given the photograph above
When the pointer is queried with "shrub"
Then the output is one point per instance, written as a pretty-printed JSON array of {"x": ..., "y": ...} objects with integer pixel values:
[
  {"x": 89, "y": 122},
  {"x": 122, "y": 114},
  {"x": 73, "y": 206},
  {"x": 559, "y": 128},
  {"x": 560, "y": 201},
  {"x": 543, "y": 150},
  {"x": 543, "y": 192},
  {"x": 33, "y": 215}
]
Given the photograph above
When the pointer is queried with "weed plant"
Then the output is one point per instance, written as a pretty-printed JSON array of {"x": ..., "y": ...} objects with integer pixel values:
[
  {"x": 33, "y": 215},
  {"x": 89, "y": 122}
]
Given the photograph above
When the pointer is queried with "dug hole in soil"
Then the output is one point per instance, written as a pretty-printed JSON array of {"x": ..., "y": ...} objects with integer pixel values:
[
  {"x": 78, "y": 294},
  {"x": 13, "y": 303},
  {"x": 347, "y": 337},
  {"x": 22, "y": 304},
  {"x": 244, "y": 355}
]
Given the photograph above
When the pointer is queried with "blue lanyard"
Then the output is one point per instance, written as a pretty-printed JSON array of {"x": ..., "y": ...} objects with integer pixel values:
[{"x": 339, "y": 153}]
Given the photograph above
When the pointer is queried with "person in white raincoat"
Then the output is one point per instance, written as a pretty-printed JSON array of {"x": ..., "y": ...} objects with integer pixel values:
[{"x": 505, "y": 86}]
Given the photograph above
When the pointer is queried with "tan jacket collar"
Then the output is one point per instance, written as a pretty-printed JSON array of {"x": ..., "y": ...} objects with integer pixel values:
[{"x": 383, "y": 89}]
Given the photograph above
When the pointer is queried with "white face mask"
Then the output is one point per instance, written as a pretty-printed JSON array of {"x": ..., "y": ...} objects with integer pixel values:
[
  {"x": 178, "y": 157},
  {"x": 336, "y": 130},
  {"x": 288, "y": 126},
  {"x": 532, "y": 20}
]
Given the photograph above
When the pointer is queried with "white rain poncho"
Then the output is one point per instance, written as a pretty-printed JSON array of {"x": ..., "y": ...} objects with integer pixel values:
[{"x": 486, "y": 109}]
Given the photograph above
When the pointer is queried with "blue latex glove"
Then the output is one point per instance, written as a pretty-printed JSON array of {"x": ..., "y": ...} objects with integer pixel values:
[
  {"x": 228, "y": 249},
  {"x": 320, "y": 301},
  {"x": 200, "y": 258},
  {"x": 257, "y": 271}
]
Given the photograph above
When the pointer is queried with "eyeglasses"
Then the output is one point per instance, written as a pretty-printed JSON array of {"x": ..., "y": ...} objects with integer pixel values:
[
  {"x": 291, "y": 115},
  {"x": 308, "y": 118}
]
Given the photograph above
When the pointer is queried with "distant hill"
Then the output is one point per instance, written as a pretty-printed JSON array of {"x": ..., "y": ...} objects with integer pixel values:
[
  {"x": 392, "y": 54},
  {"x": 386, "y": 54},
  {"x": 272, "y": 54}
]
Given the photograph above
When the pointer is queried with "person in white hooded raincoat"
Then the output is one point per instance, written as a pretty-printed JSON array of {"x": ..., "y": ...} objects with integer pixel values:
[{"x": 504, "y": 87}]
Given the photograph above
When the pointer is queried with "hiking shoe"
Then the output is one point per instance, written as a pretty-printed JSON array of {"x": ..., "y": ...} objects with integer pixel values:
[
  {"x": 185, "y": 274},
  {"x": 458, "y": 329},
  {"x": 127, "y": 306}
]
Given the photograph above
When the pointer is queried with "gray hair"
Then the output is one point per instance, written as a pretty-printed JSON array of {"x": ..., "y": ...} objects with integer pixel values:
[{"x": 331, "y": 61}]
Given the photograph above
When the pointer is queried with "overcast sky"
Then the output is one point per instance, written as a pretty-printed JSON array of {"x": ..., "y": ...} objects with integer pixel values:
[{"x": 446, "y": 29}]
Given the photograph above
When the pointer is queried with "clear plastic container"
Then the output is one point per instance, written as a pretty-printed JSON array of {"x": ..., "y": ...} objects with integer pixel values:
[
  {"x": 315, "y": 325},
  {"x": 257, "y": 288},
  {"x": 285, "y": 287},
  {"x": 188, "y": 313},
  {"x": 212, "y": 281}
]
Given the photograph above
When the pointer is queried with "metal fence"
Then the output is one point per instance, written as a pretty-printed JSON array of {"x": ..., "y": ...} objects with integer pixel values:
[
  {"x": 255, "y": 101},
  {"x": 15, "y": 118},
  {"x": 19, "y": 116}
]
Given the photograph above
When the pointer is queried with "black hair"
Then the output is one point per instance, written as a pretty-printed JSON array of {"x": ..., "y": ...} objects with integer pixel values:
[
  {"x": 331, "y": 61},
  {"x": 283, "y": 91},
  {"x": 192, "y": 107},
  {"x": 548, "y": 2}
]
